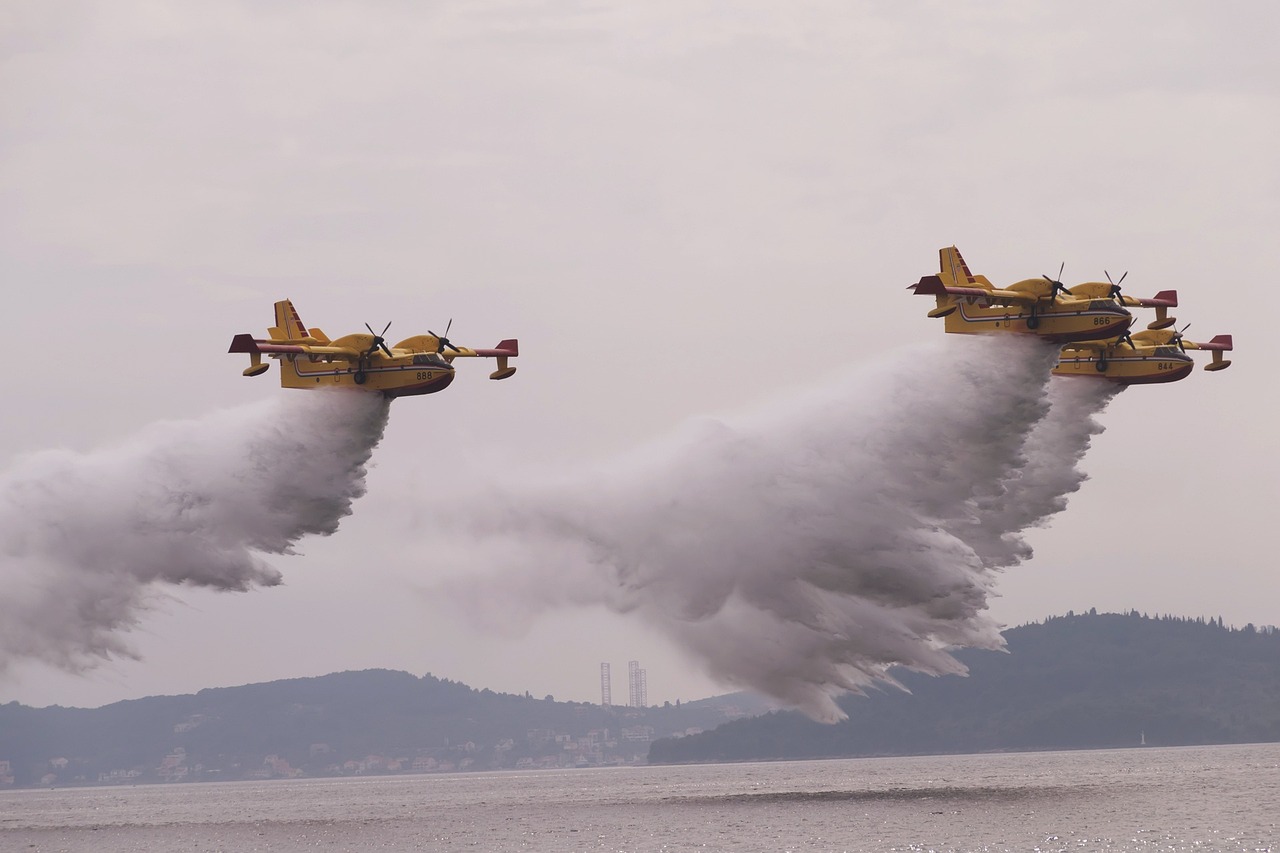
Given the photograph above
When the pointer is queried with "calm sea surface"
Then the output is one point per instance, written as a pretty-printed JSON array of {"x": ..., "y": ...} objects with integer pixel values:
[{"x": 1195, "y": 798}]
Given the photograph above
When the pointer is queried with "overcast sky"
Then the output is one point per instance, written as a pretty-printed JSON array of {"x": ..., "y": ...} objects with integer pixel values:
[{"x": 682, "y": 210}]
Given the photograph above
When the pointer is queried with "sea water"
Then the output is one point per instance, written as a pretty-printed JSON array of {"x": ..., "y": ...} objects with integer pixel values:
[{"x": 1192, "y": 798}]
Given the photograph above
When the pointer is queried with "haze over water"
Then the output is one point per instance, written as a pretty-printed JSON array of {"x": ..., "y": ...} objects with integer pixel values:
[{"x": 1191, "y": 798}]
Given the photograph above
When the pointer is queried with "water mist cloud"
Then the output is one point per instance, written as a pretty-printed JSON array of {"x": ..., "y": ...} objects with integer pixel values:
[
  {"x": 804, "y": 551},
  {"x": 88, "y": 538}
]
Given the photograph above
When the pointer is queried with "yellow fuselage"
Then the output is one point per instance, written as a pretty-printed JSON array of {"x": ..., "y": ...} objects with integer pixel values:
[
  {"x": 1043, "y": 307},
  {"x": 406, "y": 375},
  {"x": 422, "y": 364},
  {"x": 1061, "y": 321},
  {"x": 1124, "y": 364}
]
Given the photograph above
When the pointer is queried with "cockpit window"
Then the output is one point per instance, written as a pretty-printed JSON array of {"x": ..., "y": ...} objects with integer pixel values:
[{"x": 430, "y": 359}]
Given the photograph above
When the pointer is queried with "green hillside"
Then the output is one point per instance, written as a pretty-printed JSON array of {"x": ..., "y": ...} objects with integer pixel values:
[
  {"x": 349, "y": 723},
  {"x": 1079, "y": 681}
]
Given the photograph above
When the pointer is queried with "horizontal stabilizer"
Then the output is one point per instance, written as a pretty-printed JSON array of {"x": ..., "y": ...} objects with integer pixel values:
[
  {"x": 250, "y": 344},
  {"x": 931, "y": 285}
]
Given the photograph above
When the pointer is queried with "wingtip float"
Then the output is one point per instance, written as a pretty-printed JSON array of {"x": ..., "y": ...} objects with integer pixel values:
[
  {"x": 422, "y": 364},
  {"x": 1091, "y": 322}
]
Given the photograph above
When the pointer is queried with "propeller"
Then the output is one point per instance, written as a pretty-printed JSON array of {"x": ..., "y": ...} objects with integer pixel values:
[
  {"x": 1058, "y": 286},
  {"x": 1126, "y": 339},
  {"x": 444, "y": 341},
  {"x": 1177, "y": 337},
  {"x": 1115, "y": 285},
  {"x": 378, "y": 340}
]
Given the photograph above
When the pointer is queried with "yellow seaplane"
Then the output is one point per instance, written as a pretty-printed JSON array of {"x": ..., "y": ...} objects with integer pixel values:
[
  {"x": 1035, "y": 306},
  {"x": 1143, "y": 358},
  {"x": 422, "y": 364}
]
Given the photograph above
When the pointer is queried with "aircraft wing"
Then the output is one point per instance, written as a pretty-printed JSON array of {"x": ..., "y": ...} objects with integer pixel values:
[
  {"x": 1219, "y": 342},
  {"x": 507, "y": 348},
  {"x": 510, "y": 347},
  {"x": 1163, "y": 299},
  {"x": 247, "y": 343},
  {"x": 931, "y": 285}
]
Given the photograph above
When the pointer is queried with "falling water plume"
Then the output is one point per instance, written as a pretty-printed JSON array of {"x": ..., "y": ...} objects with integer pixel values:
[
  {"x": 804, "y": 551},
  {"x": 90, "y": 538}
]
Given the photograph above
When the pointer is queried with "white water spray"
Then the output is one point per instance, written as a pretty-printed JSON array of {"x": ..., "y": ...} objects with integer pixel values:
[
  {"x": 87, "y": 539},
  {"x": 803, "y": 552}
]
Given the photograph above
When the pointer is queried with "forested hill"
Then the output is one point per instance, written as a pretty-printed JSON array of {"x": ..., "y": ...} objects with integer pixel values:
[
  {"x": 1078, "y": 681},
  {"x": 348, "y": 723}
]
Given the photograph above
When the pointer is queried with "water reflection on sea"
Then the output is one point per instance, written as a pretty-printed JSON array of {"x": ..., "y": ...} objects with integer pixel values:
[{"x": 1193, "y": 798}]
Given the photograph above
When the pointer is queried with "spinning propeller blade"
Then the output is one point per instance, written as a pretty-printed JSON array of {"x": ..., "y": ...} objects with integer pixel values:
[
  {"x": 1177, "y": 337},
  {"x": 1058, "y": 286},
  {"x": 1115, "y": 285},
  {"x": 378, "y": 341},
  {"x": 444, "y": 340}
]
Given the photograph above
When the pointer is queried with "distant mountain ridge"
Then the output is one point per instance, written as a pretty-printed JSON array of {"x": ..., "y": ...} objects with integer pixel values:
[
  {"x": 348, "y": 723},
  {"x": 1077, "y": 681}
]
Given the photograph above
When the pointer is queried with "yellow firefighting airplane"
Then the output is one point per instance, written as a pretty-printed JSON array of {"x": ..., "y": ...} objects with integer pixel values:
[
  {"x": 308, "y": 359},
  {"x": 1035, "y": 306},
  {"x": 1144, "y": 358}
]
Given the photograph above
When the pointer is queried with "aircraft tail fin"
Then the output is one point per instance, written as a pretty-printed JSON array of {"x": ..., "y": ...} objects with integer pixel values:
[
  {"x": 953, "y": 271},
  {"x": 289, "y": 326},
  {"x": 953, "y": 278}
]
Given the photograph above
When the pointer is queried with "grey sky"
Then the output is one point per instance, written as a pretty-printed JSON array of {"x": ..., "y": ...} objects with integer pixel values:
[{"x": 681, "y": 209}]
